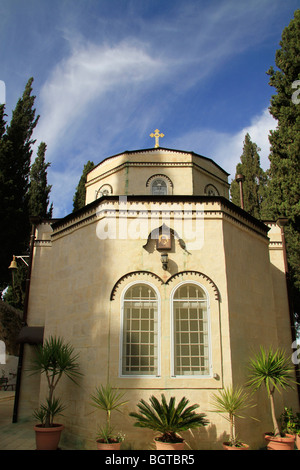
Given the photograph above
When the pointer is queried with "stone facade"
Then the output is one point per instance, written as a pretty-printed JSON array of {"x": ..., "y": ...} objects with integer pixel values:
[{"x": 85, "y": 264}]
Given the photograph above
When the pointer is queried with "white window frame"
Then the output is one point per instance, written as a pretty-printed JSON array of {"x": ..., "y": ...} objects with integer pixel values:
[
  {"x": 172, "y": 365},
  {"x": 144, "y": 376}
]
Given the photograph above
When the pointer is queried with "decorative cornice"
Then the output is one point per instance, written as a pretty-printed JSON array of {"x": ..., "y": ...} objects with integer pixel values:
[
  {"x": 158, "y": 150},
  {"x": 91, "y": 212},
  {"x": 43, "y": 243},
  {"x": 197, "y": 273},
  {"x": 133, "y": 274},
  {"x": 138, "y": 274},
  {"x": 275, "y": 245},
  {"x": 167, "y": 164},
  {"x": 142, "y": 164}
]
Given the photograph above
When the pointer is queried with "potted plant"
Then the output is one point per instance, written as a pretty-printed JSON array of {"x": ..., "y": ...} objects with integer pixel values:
[
  {"x": 290, "y": 424},
  {"x": 297, "y": 431},
  {"x": 169, "y": 420},
  {"x": 232, "y": 401},
  {"x": 54, "y": 359},
  {"x": 273, "y": 370},
  {"x": 108, "y": 399}
]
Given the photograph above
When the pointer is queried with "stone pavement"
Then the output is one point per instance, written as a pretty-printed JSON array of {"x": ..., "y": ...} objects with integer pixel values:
[
  {"x": 20, "y": 435},
  {"x": 13, "y": 436}
]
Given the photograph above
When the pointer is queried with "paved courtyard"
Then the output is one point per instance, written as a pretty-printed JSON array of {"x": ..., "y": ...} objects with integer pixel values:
[{"x": 13, "y": 436}]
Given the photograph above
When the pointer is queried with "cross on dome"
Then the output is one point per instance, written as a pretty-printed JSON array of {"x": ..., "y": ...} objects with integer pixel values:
[{"x": 157, "y": 135}]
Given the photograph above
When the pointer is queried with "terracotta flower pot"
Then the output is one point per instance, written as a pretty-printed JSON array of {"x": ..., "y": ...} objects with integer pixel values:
[
  {"x": 108, "y": 446},
  {"x": 298, "y": 441},
  {"x": 169, "y": 445},
  {"x": 48, "y": 438},
  {"x": 227, "y": 446},
  {"x": 280, "y": 443}
]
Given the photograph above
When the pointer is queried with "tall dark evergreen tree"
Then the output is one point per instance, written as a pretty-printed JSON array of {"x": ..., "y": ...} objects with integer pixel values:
[
  {"x": 39, "y": 190},
  {"x": 255, "y": 180},
  {"x": 15, "y": 155},
  {"x": 2, "y": 121},
  {"x": 79, "y": 196},
  {"x": 284, "y": 184}
]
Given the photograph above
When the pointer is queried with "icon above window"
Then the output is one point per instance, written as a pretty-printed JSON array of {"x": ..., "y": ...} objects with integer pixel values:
[{"x": 164, "y": 241}]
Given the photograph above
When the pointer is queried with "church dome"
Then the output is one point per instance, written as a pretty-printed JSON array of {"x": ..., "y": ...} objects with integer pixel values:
[{"x": 157, "y": 172}]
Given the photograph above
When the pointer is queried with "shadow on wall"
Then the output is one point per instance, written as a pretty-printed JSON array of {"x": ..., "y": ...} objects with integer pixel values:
[{"x": 205, "y": 438}]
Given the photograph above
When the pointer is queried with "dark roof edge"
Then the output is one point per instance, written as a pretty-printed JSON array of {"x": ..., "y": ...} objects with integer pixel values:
[
  {"x": 160, "y": 148},
  {"x": 174, "y": 198}
]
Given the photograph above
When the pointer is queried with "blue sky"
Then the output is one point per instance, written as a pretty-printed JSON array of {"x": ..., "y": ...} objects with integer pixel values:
[{"x": 107, "y": 73}]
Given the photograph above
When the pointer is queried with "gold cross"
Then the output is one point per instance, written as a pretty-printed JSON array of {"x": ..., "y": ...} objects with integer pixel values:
[{"x": 157, "y": 135}]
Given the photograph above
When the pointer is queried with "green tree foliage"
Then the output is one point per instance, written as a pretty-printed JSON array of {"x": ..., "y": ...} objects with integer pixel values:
[
  {"x": 15, "y": 294},
  {"x": 15, "y": 156},
  {"x": 10, "y": 326},
  {"x": 23, "y": 190},
  {"x": 39, "y": 190},
  {"x": 2, "y": 122},
  {"x": 79, "y": 196},
  {"x": 255, "y": 179},
  {"x": 284, "y": 173}
]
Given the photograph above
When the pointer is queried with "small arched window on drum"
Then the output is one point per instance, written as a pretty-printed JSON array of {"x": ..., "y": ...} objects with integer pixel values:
[{"x": 159, "y": 187}]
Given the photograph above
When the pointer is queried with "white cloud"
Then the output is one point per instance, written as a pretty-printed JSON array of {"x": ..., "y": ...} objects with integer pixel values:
[
  {"x": 180, "y": 53},
  {"x": 86, "y": 76},
  {"x": 228, "y": 153},
  {"x": 106, "y": 95},
  {"x": 63, "y": 189},
  {"x": 225, "y": 148}
]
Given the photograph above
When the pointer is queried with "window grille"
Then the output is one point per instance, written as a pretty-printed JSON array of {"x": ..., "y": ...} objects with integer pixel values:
[
  {"x": 140, "y": 331},
  {"x": 190, "y": 328}
]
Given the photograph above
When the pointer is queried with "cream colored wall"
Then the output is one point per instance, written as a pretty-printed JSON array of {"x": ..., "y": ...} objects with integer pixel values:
[
  {"x": 280, "y": 288},
  {"x": 37, "y": 310},
  {"x": 258, "y": 312},
  {"x": 201, "y": 180},
  {"x": 103, "y": 356},
  {"x": 76, "y": 285}
]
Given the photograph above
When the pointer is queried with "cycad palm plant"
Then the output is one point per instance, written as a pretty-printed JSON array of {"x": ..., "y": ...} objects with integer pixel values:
[
  {"x": 54, "y": 359},
  {"x": 167, "y": 418},
  {"x": 272, "y": 369}
]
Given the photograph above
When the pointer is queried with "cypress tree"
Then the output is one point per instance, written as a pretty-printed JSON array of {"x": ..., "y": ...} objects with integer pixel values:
[
  {"x": 2, "y": 121},
  {"x": 79, "y": 196},
  {"x": 255, "y": 179},
  {"x": 284, "y": 174},
  {"x": 284, "y": 189},
  {"x": 15, "y": 154},
  {"x": 39, "y": 190}
]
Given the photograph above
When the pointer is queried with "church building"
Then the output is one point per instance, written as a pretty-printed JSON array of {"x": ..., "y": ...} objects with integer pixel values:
[{"x": 162, "y": 285}]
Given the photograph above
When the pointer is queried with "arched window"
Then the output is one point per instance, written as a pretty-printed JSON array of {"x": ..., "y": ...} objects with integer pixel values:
[
  {"x": 140, "y": 339},
  {"x": 105, "y": 190},
  {"x": 159, "y": 187},
  {"x": 211, "y": 190},
  {"x": 191, "y": 342}
]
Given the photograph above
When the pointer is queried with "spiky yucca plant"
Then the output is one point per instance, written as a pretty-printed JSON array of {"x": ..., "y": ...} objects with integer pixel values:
[
  {"x": 107, "y": 398},
  {"x": 272, "y": 369},
  {"x": 231, "y": 402},
  {"x": 167, "y": 418},
  {"x": 54, "y": 359}
]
